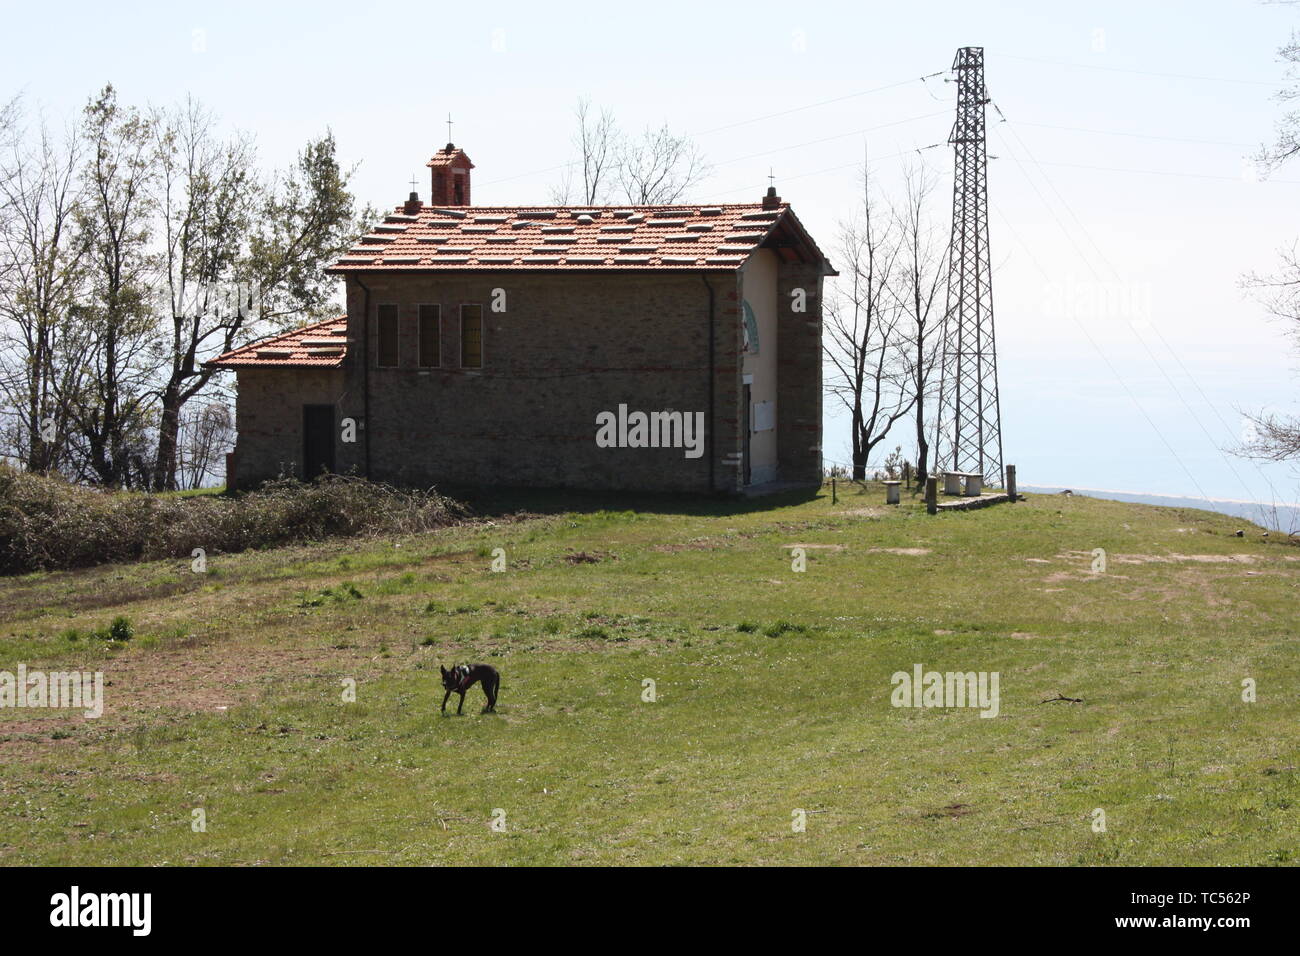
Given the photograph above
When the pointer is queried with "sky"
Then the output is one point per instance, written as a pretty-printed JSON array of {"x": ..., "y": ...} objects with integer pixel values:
[{"x": 1124, "y": 210}]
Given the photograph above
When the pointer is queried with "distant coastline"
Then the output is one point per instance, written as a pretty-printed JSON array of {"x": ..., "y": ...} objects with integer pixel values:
[{"x": 1281, "y": 517}]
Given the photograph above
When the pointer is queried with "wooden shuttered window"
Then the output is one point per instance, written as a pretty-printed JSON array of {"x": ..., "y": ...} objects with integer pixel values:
[
  {"x": 471, "y": 336},
  {"x": 430, "y": 333},
  {"x": 387, "y": 354}
]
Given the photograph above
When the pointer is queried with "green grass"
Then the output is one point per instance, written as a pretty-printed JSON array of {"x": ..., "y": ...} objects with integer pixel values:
[{"x": 772, "y": 692}]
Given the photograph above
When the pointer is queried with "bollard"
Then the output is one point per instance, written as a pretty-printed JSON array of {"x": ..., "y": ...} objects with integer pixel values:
[
  {"x": 932, "y": 494},
  {"x": 952, "y": 482},
  {"x": 891, "y": 492},
  {"x": 1011, "y": 482},
  {"x": 832, "y": 489}
]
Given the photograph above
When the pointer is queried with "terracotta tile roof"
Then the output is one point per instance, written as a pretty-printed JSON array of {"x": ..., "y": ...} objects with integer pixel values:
[
  {"x": 548, "y": 238},
  {"x": 321, "y": 345}
]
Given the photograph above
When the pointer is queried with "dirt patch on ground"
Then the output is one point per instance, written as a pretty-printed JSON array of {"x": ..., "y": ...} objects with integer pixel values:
[
  {"x": 1183, "y": 558},
  {"x": 190, "y": 679},
  {"x": 1058, "y": 576},
  {"x": 588, "y": 557},
  {"x": 863, "y": 512},
  {"x": 1171, "y": 558},
  {"x": 696, "y": 544},
  {"x": 816, "y": 547},
  {"x": 909, "y": 551}
]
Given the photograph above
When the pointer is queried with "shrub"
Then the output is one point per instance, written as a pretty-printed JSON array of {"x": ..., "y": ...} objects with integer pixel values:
[
  {"x": 119, "y": 629},
  {"x": 49, "y": 524}
]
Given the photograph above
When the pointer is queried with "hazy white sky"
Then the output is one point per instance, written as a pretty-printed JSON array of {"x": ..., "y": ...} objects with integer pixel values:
[{"x": 1120, "y": 190}]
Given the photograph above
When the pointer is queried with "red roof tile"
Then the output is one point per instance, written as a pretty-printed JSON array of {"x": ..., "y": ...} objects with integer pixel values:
[
  {"x": 547, "y": 238},
  {"x": 320, "y": 345}
]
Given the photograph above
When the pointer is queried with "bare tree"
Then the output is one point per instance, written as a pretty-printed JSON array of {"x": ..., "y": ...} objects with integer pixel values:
[
  {"x": 205, "y": 435},
  {"x": 41, "y": 274},
  {"x": 1277, "y": 437},
  {"x": 659, "y": 168},
  {"x": 654, "y": 169},
  {"x": 597, "y": 142},
  {"x": 865, "y": 344},
  {"x": 918, "y": 289},
  {"x": 1287, "y": 144},
  {"x": 206, "y": 197}
]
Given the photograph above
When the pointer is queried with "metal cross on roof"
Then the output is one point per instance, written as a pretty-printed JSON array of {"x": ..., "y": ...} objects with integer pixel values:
[{"x": 449, "y": 127}]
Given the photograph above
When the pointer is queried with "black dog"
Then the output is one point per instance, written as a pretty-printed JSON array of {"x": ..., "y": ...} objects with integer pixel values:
[{"x": 462, "y": 677}]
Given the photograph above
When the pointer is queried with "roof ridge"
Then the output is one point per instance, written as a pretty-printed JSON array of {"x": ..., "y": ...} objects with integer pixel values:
[{"x": 620, "y": 205}]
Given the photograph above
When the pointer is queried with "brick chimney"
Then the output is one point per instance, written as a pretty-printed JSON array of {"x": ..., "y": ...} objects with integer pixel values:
[
  {"x": 449, "y": 174},
  {"x": 413, "y": 204},
  {"x": 771, "y": 200}
]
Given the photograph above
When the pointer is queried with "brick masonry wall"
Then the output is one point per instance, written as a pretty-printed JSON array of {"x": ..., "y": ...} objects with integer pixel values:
[
  {"x": 567, "y": 346},
  {"x": 268, "y": 418},
  {"x": 799, "y": 374}
]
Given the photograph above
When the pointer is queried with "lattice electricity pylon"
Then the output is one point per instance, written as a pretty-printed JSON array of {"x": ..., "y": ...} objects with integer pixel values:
[{"x": 968, "y": 430}]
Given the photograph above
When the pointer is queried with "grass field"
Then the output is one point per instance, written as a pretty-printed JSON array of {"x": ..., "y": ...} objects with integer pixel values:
[{"x": 773, "y": 692}]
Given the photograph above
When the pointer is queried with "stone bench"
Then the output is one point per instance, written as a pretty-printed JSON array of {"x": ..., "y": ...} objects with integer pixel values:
[{"x": 968, "y": 484}]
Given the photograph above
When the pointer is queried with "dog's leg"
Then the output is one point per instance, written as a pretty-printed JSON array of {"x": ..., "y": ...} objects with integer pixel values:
[
  {"x": 461, "y": 704},
  {"x": 444, "y": 701},
  {"x": 496, "y": 686}
]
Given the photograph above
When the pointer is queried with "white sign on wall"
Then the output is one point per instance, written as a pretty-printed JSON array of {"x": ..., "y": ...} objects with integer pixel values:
[{"x": 763, "y": 415}]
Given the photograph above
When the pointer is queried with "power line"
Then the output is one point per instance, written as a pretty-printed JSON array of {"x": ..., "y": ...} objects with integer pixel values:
[
  {"x": 827, "y": 139},
  {"x": 1167, "y": 172},
  {"x": 1097, "y": 348},
  {"x": 1114, "y": 271},
  {"x": 1112, "y": 132},
  {"x": 810, "y": 106},
  {"x": 832, "y": 169},
  {"x": 756, "y": 119},
  {"x": 1116, "y": 69}
]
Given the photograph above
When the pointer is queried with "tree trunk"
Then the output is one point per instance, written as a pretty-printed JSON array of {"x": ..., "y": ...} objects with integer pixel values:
[
  {"x": 859, "y": 453},
  {"x": 164, "y": 470},
  {"x": 922, "y": 446}
]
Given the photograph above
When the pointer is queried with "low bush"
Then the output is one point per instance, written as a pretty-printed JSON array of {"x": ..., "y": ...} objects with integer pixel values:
[{"x": 49, "y": 524}]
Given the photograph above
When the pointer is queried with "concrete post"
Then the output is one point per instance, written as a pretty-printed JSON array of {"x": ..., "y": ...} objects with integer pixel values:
[
  {"x": 1011, "y": 481},
  {"x": 891, "y": 492},
  {"x": 952, "y": 483},
  {"x": 932, "y": 494}
]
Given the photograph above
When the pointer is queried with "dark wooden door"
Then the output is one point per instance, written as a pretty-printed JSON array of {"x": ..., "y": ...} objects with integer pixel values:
[{"x": 317, "y": 440}]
